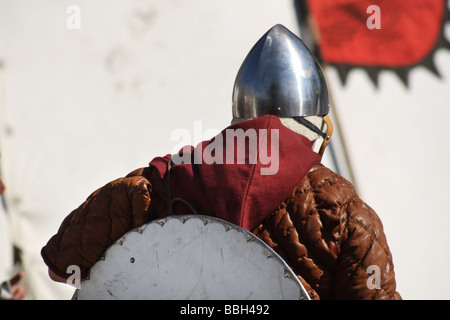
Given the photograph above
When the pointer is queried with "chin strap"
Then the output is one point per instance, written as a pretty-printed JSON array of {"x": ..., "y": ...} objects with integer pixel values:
[{"x": 327, "y": 136}]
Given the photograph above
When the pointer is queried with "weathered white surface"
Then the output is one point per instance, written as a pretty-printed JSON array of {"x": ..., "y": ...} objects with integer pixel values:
[
  {"x": 191, "y": 258},
  {"x": 82, "y": 107}
]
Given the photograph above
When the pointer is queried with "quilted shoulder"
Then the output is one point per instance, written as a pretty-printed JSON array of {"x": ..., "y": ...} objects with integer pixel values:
[
  {"x": 105, "y": 216},
  {"x": 331, "y": 239}
]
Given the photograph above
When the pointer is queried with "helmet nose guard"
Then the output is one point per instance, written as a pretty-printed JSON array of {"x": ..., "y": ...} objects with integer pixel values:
[{"x": 281, "y": 77}]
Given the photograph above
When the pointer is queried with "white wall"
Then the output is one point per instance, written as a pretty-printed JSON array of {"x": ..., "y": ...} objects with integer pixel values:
[
  {"x": 86, "y": 106},
  {"x": 82, "y": 107}
]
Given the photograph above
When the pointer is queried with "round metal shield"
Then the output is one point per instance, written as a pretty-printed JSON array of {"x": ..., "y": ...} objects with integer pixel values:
[{"x": 190, "y": 257}]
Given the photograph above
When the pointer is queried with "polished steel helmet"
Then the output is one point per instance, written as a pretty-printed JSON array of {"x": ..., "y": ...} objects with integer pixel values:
[{"x": 280, "y": 76}]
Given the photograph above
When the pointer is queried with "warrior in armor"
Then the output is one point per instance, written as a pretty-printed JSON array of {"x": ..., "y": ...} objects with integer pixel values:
[{"x": 311, "y": 216}]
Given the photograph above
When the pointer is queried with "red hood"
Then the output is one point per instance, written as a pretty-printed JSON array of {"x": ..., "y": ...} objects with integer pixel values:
[{"x": 241, "y": 193}]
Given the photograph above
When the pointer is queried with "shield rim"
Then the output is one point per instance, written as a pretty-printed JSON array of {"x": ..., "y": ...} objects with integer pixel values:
[{"x": 270, "y": 253}]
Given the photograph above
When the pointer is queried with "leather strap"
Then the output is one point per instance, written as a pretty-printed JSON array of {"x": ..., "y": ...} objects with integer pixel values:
[
  {"x": 310, "y": 126},
  {"x": 326, "y": 139},
  {"x": 172, "y": 202}
]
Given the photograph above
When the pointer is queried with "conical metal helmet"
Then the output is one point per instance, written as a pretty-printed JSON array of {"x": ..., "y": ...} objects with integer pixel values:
[{"x": 280, "y": 76}]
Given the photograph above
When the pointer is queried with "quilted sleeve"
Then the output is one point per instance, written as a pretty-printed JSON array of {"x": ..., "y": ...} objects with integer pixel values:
[
  {"x": 365, "y": 269},
  {"x": 332, "y": 240},
  {"x": 104, "y": 217}
]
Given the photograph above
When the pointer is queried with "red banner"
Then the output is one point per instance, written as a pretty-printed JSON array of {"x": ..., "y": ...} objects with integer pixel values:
[{"x": 374, "y": 34}]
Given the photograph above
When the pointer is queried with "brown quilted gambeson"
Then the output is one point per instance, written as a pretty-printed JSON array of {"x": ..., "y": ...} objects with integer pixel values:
[{"x": 331, "y": 239}]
